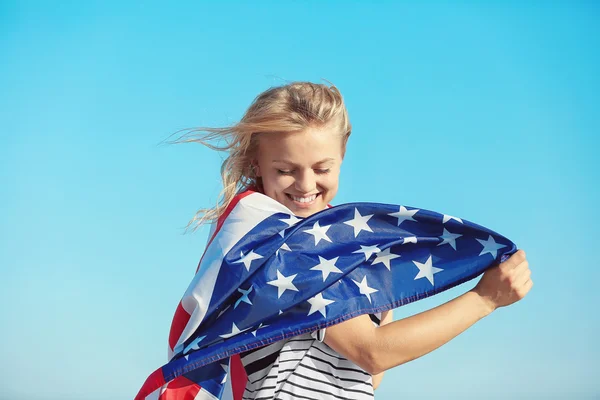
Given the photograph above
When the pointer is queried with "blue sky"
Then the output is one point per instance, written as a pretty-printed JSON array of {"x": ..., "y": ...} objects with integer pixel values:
[{"x": 483, "y": 111}]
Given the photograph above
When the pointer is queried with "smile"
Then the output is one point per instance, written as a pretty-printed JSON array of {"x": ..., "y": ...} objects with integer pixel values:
[{"x": 304, "y": 200}]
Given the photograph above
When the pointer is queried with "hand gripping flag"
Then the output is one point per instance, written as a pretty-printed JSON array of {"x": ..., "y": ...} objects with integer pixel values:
[{"x": 267, "y": 275}]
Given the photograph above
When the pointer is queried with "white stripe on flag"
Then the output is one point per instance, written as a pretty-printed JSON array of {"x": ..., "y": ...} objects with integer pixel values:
[
  {"x": 154, "y": 395},
  {"x": 204, "y": 395},
  {"x": 227, "y": 389}
]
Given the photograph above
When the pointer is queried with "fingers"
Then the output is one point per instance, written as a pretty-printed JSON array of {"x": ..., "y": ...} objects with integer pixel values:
[
  {"x": 526, "y": 288},
  {"x": 521, "y": 279},
  {"x": 514, "y": 261},
  {"x": 529, "y": 285},
  {"x": 520, "y": 269}
]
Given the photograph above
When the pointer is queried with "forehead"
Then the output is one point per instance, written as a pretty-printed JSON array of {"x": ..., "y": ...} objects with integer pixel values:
[{"x": 306, "y": 146}]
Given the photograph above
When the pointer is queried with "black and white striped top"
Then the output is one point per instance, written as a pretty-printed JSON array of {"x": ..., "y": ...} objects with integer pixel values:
[{"x": 303, "y": 367}]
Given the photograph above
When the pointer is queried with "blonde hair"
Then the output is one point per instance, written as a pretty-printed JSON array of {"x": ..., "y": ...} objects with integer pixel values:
[{"x": 288, "y": 108}]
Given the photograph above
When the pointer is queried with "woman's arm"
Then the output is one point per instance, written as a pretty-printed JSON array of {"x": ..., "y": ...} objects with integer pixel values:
[
  {"x": 377, "y": 349},
  {"x": 386, "y": 318}
]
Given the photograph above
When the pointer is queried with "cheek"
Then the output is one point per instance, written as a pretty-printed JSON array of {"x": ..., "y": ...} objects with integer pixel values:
[
  {"x": 330, "y": 182},
  {"x": 274, "y": 183}
]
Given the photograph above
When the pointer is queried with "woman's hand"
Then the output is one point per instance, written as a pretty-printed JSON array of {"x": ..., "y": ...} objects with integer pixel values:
[{"x": 505, "y": 283}]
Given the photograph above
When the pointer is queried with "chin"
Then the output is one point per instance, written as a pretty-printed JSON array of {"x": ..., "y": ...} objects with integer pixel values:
[
  {"x": 303, "y": 213},
  {"x": 306, "y": 212}
]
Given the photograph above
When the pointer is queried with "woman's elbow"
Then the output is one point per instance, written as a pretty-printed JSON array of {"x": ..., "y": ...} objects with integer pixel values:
[
  {"x": 371, "y": 363},
  {"x": 375, "y": 363}
]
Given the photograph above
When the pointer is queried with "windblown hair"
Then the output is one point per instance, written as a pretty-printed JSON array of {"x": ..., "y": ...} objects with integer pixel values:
[{"x": 288, "y": 108}]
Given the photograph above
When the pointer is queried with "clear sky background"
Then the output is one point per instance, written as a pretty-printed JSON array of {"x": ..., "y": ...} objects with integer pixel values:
[{"x": 488, "y": 112}]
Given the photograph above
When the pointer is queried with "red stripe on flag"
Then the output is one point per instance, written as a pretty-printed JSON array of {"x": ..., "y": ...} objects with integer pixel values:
[
  {"x": 180, "y": 388},
  {"x": 180, "y": 320},
  {"x": 239, "y": 378},
  {"x": 153, "y": 382}
]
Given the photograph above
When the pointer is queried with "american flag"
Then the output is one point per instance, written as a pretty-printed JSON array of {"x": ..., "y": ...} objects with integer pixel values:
[{"x": 267, "y": 275}]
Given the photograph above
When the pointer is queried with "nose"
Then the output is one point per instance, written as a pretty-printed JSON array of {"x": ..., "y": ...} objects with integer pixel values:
[{"x": 306, "y": 182}]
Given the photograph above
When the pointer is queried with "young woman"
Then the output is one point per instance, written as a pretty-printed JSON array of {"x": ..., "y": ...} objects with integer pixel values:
[{"x": 290, "y": 145}]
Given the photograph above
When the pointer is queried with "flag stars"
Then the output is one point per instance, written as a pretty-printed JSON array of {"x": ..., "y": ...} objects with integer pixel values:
[
  {"x": 450, "y": 238},
  {"x": 364, "y": 288},
  {"x": 260, "y": 326},
  {"x": 226, "y": 369},
  {"x": 368, "y": 250},
  {"x": 327, "y": 267},
  {"x": 283, "y": 283},
  {"x": 283, "y": 247},
  {"x": 291, "y": 222},
  {"x": 359, "y": 223},
  {"x": 319, "y": 232},
  {"x": 248, "y": 258},
  {"x": 195, "y": 345},
  {"x": 244, "y": 297},
  {"x": 404, "y": 215},
  {"x": 385, "y": 257},
  {"x": 490, "y": 246},
  {"x": 449, "y": 217},
  {"x": 234, "y": 331},
  {"x": 225, "y": 309},
  {"x": 318, "y": 303},
  {"x": 410, "y": 239},
  {"x": 426, "y": 270}
]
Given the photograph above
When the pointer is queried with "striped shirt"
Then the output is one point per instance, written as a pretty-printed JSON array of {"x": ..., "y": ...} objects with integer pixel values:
[{"x": 303, "y": 367}]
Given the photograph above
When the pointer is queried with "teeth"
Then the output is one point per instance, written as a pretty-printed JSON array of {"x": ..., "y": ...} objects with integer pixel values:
[{"x": 304, "y": 199}]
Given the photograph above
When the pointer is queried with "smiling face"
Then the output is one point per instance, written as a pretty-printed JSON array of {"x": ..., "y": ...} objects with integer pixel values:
[{"x": 301, "y": 169}]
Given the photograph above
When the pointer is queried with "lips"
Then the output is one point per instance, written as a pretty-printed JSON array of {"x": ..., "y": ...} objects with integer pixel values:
[{"x": 303, "y": 200}]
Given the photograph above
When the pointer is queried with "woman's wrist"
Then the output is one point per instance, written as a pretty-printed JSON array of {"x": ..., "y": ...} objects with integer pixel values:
[{"x": 486, "y": 304}]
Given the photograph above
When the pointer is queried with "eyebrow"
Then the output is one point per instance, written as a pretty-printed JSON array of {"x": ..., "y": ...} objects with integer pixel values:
[{"x": 318, "y": 162}]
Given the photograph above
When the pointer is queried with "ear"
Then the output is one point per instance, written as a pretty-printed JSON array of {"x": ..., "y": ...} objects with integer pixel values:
[{"x": 256, "y": 168}]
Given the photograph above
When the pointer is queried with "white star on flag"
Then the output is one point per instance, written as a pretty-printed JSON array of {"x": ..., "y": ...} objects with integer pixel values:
[
  {"x": 327, "y": 267},
  {"x": 410, "y": 239},
  {"x": 319, "y": 232},
  {"x": 244, "y": 297},
  {"x": 359, "y": 223},
  {"x": 291, "y": 222},
  {"x": 234, "y": 331},
  {"x": 490, "y": 246},
  {"x": 248, "y": 258},
  {"x": 404, "y": 215},
  {"x": 192, "y": 346},
  {"x": 260, "y": 326},
  {"x": 449, "y": 217},
  {"x": 385, "y": 257},
  {"x": 225, "y": 368},
  {"x": 283, "y": 247},
  {"x": 283, "y": 283},
  {"x": 426, "y": 270},
  {"x": 449, "y": 238},
  {"x": 318, "y": 303},
  {"x": 225, "y": 309},
  {"x": 368, "y": 250},
  {"x": 364, "y": 288}
]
